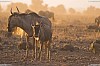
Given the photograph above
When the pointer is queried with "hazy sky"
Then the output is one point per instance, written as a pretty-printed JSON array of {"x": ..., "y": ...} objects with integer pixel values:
[{"x": 77, "y": 4}]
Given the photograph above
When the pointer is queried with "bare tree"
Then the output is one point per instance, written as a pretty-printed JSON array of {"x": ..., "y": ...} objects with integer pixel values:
[
  {"x": 37, "y": 5},
  {"x": 60, "y": 9},
  {"x": 71, "y": 11},
  {"x": 92, "y": 11}
]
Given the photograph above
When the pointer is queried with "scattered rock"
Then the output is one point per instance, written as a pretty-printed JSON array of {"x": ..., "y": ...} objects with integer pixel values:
[
  {"x": 71, "y": 26},
  {"x": 5, "y": 43},
  {"x": 68, "y": 47},
  {"x": 55, "y": 37},
  {"x": 63, "y": 42},
  {"x": 76, "y": 48}
]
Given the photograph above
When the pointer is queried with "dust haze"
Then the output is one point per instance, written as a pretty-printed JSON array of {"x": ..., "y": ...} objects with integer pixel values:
[
  {"x": 70, "y": 27},
  {"x": 66, "y": 15}
]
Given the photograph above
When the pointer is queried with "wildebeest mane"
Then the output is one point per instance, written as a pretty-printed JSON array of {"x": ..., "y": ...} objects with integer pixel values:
[
  {"x": 34, "y": 14},
  {"x": 22, "y": 14}
]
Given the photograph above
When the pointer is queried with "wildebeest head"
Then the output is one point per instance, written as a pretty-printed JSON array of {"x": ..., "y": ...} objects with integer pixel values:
[
  {"x": 12, "y": 20},
  {"x": 20, "y": 20},
  {"x": 12, "y": 23},
  {"x": 37, "y": 29}
]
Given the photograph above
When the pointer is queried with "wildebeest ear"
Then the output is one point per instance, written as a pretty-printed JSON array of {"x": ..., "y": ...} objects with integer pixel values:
[
  {"x": 17, "y": 9},
  {"x": 11, "y": 11}
]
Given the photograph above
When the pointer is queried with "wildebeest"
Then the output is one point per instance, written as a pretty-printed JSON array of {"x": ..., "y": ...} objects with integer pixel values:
[
  {"x": 97, "y": 21},
  {"x": 26, "y": 21},
  {"x": 44, "y": 33},
  {"x": 47, "y": 14},
  {"x": 95, "y": 46},
  {"x": 23, "y": 21}
]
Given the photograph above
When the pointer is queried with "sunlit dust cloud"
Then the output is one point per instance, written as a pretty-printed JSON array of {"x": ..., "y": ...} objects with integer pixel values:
[{"x": 76, "y": 4}]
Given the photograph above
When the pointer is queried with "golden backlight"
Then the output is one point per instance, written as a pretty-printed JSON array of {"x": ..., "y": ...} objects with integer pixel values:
[{"x": 76, "y": 4}]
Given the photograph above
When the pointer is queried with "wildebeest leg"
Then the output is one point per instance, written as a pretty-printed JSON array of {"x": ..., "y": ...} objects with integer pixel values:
[
  {"x": 48, "y": 51},
  {"x": 33, "y": 47},
  {"x": 27, "y": 45},
  {"x": 36, "y": 49},
  {"x": 46, "y": 47},
  {"x": 40, "y": 52}
]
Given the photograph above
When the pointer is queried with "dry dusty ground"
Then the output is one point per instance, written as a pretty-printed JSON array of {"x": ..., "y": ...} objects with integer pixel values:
[{"x": 76, "y": 36}]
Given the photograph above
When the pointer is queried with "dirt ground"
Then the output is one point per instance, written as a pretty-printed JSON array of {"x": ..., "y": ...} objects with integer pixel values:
[{"x": 75, "y": 35}]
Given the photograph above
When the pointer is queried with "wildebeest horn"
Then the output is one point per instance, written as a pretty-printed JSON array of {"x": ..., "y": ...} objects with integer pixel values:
[
  {"x": 11, "y": 11},
  {"x": 17, "y": 9}
]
